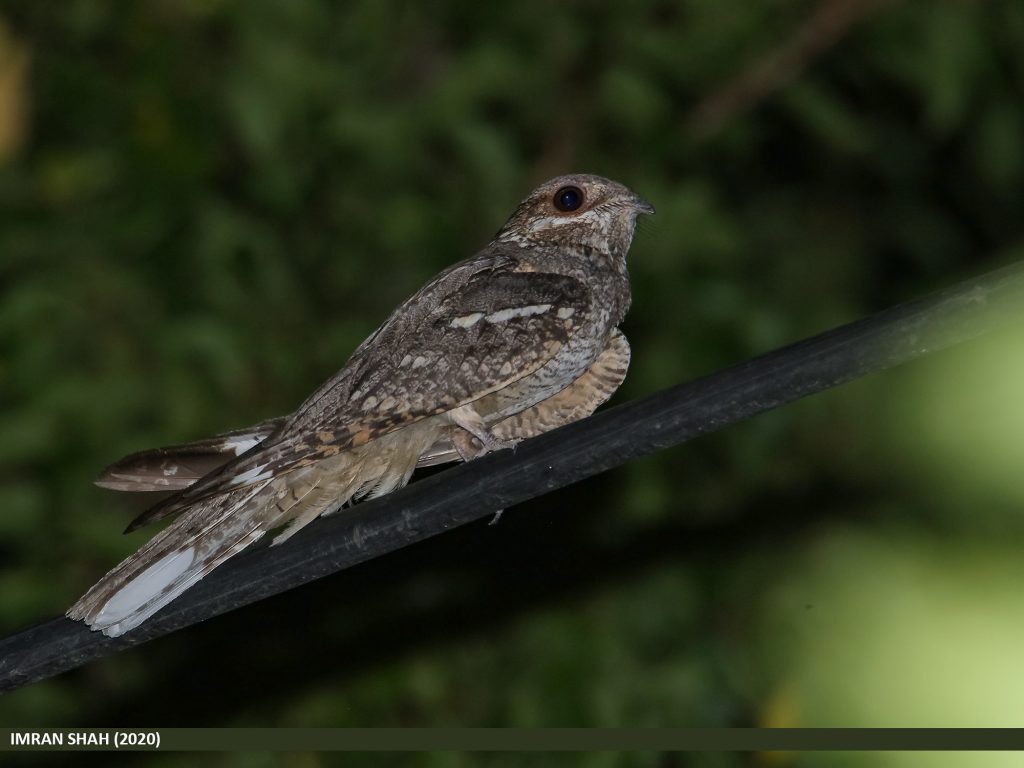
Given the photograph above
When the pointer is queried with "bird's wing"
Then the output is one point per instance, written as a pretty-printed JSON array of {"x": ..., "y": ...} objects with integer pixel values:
[
  {"x": 577, "y": 401},
  {"x": 448, "y": 346},
  {"x": 175, "y": 467}
]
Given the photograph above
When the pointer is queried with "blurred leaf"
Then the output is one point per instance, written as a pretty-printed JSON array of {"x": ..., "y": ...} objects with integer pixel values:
[{"x": 14, "y": 93}]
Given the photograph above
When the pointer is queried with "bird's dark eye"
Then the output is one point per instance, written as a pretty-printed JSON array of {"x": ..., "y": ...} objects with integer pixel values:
[{"x": 568, "y": 198}]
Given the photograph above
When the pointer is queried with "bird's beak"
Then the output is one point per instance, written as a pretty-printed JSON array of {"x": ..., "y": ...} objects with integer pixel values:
[{"x": 642, "y": 206}]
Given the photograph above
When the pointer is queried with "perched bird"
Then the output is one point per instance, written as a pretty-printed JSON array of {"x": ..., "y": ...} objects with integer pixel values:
[{"x": 512, "y": 342}]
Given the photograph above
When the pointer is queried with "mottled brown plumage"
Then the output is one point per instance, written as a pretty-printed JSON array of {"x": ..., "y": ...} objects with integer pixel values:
[{"x": 518, "y": 339}]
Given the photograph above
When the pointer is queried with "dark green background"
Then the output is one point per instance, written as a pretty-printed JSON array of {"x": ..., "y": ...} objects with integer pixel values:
[{"x": 205, "y": 206}]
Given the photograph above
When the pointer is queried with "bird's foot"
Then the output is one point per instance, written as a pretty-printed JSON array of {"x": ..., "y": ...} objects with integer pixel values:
[
  {"x": 471, "y": 445},
  {"x": 475, "y": 438}
]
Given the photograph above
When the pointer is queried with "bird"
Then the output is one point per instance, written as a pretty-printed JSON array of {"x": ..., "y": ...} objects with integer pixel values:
[{"x": 516, "y": 340}]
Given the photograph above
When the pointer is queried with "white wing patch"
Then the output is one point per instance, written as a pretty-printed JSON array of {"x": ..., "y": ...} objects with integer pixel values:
[
  {"x": 504, "y": 315},
  {"x": 466, "y": 321}
]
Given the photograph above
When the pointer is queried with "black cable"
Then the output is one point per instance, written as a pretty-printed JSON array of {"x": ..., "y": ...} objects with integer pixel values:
[{"x": 605, "y": 440}]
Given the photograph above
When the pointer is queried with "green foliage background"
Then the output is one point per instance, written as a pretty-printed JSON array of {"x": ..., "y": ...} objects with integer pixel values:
[{"x": 206, "y": 205}]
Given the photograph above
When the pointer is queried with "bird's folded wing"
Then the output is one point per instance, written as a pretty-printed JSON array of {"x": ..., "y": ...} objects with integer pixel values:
[
  {"x": 174, "y": 467},
  {"x": 499, "y": 326}
]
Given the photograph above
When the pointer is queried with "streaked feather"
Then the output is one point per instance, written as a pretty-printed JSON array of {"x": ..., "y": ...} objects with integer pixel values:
[
  {"x": 376, "y": 394},
  {"x": 211, "y": 531},
  {"x": 175, "y": 467},
  {"x": 577, "y": 401}
]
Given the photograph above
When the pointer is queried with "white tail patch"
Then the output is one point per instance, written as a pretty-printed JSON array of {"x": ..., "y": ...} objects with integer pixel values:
[
  {"x": 212, "y": 530},
  {"x": 504, "y": 315},
  {"x": 141, "y": 590},
  {"x": 172, "y": 561}
]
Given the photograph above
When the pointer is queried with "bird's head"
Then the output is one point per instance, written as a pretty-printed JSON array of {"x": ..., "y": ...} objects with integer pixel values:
[{"x": 578, "y": 209}]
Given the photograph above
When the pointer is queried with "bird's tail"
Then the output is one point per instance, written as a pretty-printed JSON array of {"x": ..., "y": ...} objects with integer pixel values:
[
  {"x": 172, "y": 561},
  {"x": 214, "y": 529}
]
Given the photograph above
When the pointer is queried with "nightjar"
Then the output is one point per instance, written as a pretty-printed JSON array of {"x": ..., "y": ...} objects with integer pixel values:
[{"x": 515, "y": 341}]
